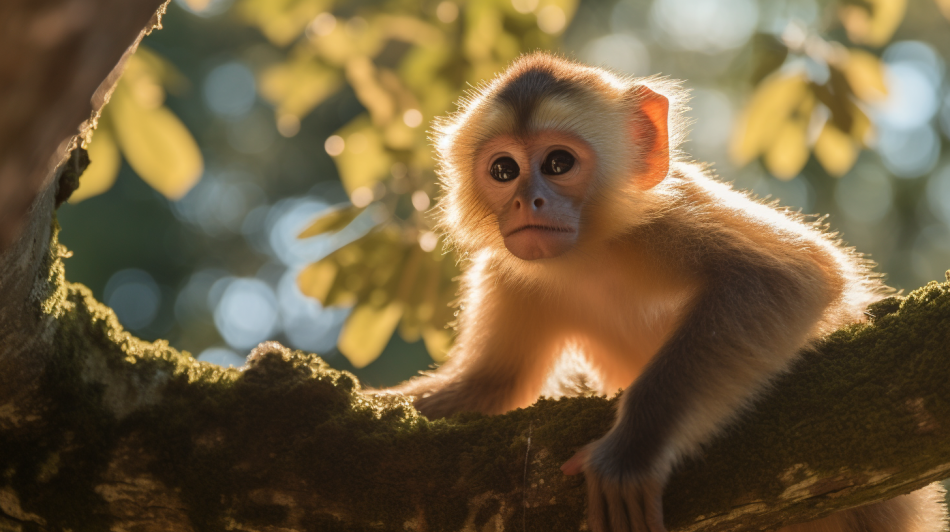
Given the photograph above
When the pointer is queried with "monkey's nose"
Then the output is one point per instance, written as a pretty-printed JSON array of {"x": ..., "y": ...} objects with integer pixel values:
[{"x": 538, "y": 202}]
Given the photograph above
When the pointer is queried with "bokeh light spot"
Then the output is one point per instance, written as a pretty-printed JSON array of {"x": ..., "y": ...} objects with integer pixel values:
[
  {"x": 247, "y": 313},
  {"x": 288, "y": 125},
  {"x": 222, "y": 356},
  {"x": 134, "y": 296},
  {"x": 334, "y": 145},
  {"x": 412, "y": 118},
  {"x": 709, "y": 26},
  {"x": 420, "y": 200},
  {"x": 361, "y": 197},
  {"x": 321, "y": 25},
  {"x": 911, "y": 97},
  {"x": 230, "y": 90},
  {"x": 524, "y": 6},
  {"x": 621, "y": 52},
  {"x": 447, "y": 12},
  {"x": 909, "y": 153},
  {"x": 428, "y": 240},
  {"x": 551, "y": 19}
]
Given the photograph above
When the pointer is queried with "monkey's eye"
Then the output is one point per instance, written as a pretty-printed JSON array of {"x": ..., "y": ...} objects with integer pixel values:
[
  {"x": 557, "y": 162},
  {"x": 504, "y": 169}
]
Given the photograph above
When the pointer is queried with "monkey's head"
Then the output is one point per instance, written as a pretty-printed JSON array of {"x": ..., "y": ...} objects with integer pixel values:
[{"x": 552, "y": 154}]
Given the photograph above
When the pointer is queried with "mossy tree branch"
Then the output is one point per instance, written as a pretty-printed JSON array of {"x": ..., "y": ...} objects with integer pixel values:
[
  {"x": 99, "y": 430},
  {"x": 109, "y": 431}
]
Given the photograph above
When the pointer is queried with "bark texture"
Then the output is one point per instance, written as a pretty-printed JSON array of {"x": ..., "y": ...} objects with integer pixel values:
[
  {"x": 102, "y": 431},
  {"x": 59, "y": 60}
]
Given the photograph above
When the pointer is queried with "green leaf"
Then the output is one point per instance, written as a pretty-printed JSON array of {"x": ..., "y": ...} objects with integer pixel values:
[
  {"x": 334, "y": 219},
  {"x": 367, "y": 331},
  {"x": 103, "y": 166},
  {"x": 156, "y": 144}
]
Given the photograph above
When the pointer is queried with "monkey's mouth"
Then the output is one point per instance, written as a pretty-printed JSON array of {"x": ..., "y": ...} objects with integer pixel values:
[{"x": 552, "y": 228}]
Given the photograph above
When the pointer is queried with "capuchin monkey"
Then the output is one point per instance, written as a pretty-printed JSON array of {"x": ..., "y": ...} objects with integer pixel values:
[{"x": 586, "y": 230}]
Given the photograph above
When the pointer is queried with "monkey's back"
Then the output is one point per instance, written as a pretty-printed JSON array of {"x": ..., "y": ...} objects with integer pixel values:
[{"x": 721, "y": 223}]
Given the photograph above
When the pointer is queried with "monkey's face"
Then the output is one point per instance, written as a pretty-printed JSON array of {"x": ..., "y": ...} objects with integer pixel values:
[{"x": 536, "y": 187}]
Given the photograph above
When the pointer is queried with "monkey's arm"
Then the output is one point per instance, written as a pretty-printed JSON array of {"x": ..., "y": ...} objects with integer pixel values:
[
  {"x": 746, "y": 325},
  {"x": 501, "y": 356}
]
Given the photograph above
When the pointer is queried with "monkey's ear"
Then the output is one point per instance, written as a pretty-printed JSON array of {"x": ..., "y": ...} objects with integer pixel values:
[{"x": 652, "y": 130}]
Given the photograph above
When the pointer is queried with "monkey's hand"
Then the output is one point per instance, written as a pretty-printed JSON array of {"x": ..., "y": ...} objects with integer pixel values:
[{"x": 620, "y": 496}]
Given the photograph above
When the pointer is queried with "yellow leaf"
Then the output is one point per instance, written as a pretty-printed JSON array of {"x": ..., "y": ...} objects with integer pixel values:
[
  {"x": 298, "y": 86},
  {"x": 363, "y": 161},
  {"x": 316, "y": 279},
  {"x": 437, "y": 342},
  {"x": 103, "y": 166},
  {"x": 367, "y": 331},
  {"x": 409, "y": 29},
  {"x": 333, "y": 219},
  {"x": 787, "y": 156},
  {"x": 865, "y": 74},
  {"x": 483, "y": 26},
  {"x": 282, "y": 21},
  {"x": 361, "y": 73},
  {"x": 862, "y": 130},
  {"x": 350, "y": 39},
  {"x": 873, "y": 24},
  {"x": 944, "y": 6},
  {"x": 156, "y": 144},
  {"x": 835, "y": 150},
  {"x": 776, "y": 98}
]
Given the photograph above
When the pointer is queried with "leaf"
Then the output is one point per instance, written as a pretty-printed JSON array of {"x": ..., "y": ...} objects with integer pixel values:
[
  {"x": 367, "y": 331},
  {"x": 298, "y": 86},
  {"x": 944, "y": 6},
  {"x": 865, "y": 73},
  {"x": 835, "y": 150},
  {"x": 774, "y": 101},
  {"x": 156, "y": 144},
  {"x": 437, "y": 342},
  {"x": 364, "y": 161},
  {"x": 316, "y": 279},
  {"x": 361, "y": 74},
  {"x": 104, "y": 162},
  {"x": 872, "y": 24},
  {"x": 768, "y": 53},
  {"x": 862, "y": 130},
  {"x": 333, "y": 219},
  {"x": 789, "y": 153},
  {"x": 281, "y": 21},
  {"x": 343, "y": 44},
  {"x": 836, "y": 96}
]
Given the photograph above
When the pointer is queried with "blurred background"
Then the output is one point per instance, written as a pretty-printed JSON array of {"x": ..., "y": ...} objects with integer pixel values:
[{"x": 263, "y": 172}]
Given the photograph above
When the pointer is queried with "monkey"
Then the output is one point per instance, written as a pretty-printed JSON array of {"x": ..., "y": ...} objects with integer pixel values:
[{"x": 584, "y": 227}]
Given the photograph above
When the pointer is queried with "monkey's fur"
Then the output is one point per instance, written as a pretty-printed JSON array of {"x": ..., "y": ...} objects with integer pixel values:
[{"x": 665, "y": 281}]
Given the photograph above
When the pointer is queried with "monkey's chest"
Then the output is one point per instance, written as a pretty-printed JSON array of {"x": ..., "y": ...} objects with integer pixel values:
[{"x": 621, "y": 328}]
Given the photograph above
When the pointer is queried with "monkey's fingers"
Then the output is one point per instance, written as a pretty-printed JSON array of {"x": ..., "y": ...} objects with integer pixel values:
[
  {"x": 622, "y": 518},
  {"x": 577, "y": 463},
  {"x": 631, "y": 509},
  {"x": 652, "y": 494},
  {"x": 598, "y": 519}
]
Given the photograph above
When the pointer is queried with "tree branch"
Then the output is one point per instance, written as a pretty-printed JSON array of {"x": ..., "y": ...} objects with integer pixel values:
[{"x": 137, "y": 434}]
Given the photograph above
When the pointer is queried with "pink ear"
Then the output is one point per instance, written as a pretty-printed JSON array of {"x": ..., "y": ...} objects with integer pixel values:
[{"x": 655, "y": 134}]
